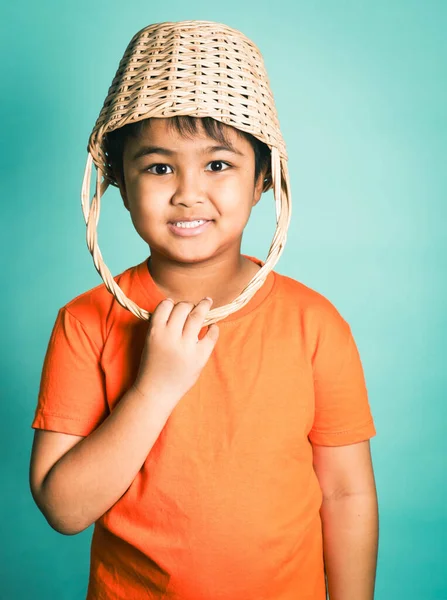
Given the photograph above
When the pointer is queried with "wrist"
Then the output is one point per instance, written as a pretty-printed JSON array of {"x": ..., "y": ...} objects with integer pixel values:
[{"x": 157, "y": 393}]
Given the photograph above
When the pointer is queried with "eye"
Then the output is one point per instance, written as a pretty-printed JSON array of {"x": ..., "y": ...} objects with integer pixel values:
[
  {"x": 219, "y": 164},
  {"x": 160, "y": 169}
]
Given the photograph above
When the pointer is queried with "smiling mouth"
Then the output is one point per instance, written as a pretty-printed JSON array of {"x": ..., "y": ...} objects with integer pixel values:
[
  {"x": 190, "y": 224},
  {"x": 189, "y": 219},
  {"x": 189, "y": 228}
]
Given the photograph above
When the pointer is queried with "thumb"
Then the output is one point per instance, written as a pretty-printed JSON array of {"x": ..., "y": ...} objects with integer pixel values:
[{"x": 210, "y": 338}]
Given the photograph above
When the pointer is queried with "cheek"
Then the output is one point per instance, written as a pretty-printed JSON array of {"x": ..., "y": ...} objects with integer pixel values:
[
  {"x": 147, "y": 200},
  {"x": 235, "y": 199}
]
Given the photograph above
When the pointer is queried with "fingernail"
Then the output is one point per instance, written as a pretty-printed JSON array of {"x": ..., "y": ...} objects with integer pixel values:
[{"x": 208, "y": 298}]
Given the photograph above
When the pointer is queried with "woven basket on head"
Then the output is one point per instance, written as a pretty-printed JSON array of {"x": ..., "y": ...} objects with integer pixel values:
[{"x": 201, "y": 69}]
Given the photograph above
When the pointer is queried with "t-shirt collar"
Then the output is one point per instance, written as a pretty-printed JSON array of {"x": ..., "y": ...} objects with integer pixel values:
[{"x": 152, "y": 295}]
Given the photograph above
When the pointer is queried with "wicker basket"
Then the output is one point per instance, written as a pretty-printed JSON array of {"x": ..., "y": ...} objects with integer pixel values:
[{"x": 201, "y": 69}]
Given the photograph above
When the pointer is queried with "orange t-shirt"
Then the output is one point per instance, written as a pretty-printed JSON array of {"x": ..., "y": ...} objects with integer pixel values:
[{"x": 226, "y": 505}]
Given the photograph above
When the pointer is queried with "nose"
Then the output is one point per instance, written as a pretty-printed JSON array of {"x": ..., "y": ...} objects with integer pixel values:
[{"x": 189, "y": 190}]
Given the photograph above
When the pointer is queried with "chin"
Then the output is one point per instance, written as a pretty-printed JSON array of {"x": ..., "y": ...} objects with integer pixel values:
[{"x": 191, "y": 256}]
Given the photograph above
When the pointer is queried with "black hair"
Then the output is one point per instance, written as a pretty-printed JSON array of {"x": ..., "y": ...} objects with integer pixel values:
[{"x": 185, "y": 125}]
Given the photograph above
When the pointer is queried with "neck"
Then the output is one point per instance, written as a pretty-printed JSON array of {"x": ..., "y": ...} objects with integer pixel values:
[{"x": 222, "y": 277}]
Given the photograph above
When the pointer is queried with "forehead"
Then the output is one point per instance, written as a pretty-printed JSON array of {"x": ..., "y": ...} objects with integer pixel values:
[
  {"x": 162, "y": 134},
  {"x": 165, "y": 128}
]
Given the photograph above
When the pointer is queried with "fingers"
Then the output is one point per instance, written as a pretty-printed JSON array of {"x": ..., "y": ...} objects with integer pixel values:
[
  {"x": 179, "y": 315},
  {"x": 209, "y": 340},
  {"x": 187, "y": 318},
  {"x": 162, "y": 312},
  {"x": 194, "y": 320},
  {"x": 184, "y": 317}
]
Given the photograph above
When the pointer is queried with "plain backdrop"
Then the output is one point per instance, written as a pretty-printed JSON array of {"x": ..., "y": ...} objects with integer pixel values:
[{"x": 361, "y": 93}]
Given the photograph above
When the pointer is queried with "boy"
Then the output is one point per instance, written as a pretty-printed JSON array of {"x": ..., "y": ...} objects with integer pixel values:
[{"x": 223, "y": 462}]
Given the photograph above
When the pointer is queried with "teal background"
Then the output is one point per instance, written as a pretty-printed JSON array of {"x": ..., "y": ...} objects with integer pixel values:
[{"x": 361, "y": 92}]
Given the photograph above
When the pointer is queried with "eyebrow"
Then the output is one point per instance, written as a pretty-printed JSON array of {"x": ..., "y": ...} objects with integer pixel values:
[{"x": 146, "y": 150}]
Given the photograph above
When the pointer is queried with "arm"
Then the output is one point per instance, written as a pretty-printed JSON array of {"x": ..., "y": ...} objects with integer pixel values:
[
  {"x": 74, "y": 480},
  {"x": 349, "y": 515}
]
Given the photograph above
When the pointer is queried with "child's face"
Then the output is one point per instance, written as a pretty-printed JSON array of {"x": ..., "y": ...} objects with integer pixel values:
[{"x": 170, "y": 178}]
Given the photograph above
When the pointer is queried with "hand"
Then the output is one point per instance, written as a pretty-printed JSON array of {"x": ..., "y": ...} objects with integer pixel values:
[{"x": 173, "y": 357}]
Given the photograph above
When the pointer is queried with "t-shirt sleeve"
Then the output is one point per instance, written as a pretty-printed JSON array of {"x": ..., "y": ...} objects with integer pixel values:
[
  {"x": 72, "y": 395},
  {"x": 342, "y": 411}
]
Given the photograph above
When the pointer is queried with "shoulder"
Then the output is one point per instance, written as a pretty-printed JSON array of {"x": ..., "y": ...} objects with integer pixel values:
[
  {"x": 96, "y": 309},
  {"x": 322, "y": 328},
  {"x": 313, "y": 308}
]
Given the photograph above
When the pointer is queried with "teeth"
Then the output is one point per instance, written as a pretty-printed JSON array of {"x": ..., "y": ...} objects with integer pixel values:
[{"x": 189, "y": 224}]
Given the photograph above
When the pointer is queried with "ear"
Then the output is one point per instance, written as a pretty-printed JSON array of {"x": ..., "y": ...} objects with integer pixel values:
[
  {"x": 259, "y": 185},
  {"x": 122, "y": 188}
]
